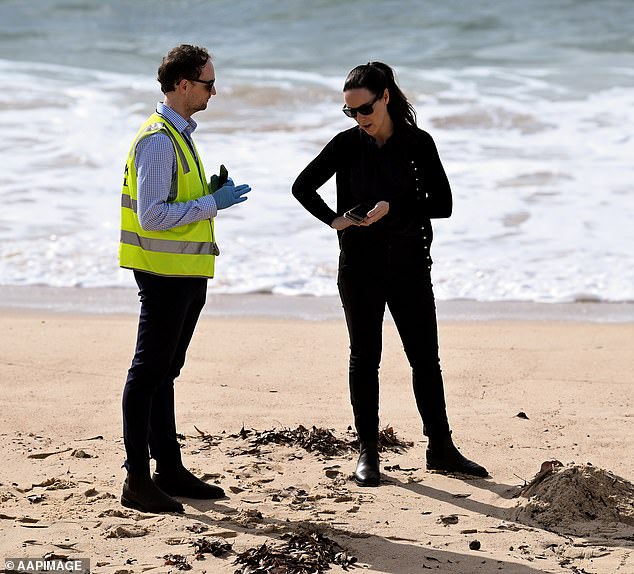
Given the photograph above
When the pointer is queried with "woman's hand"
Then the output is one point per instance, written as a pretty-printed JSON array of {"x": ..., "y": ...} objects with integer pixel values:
[
  {"x": 340, "y": 223},
  {"x": 377, "y": 212}
]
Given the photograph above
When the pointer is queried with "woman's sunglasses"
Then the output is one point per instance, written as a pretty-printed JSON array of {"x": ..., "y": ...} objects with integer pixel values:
[{"x": 364, "y": 110}]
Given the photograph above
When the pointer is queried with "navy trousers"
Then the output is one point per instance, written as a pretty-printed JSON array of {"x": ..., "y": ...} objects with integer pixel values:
[
  {"x": 170, "y": 307},
  {"x": 395, "y": 273}
]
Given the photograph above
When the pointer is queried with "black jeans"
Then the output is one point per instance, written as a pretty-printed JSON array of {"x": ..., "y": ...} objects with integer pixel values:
[
  {"x": 170, "y": 307},
  {"x": 396, "y": 273}
]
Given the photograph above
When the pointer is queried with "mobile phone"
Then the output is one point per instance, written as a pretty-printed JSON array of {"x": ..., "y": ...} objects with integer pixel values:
[
  {"x": 217, "y": 181},
  {"x": 359, "y": 212},
  {"x": 223, "y": 175}
]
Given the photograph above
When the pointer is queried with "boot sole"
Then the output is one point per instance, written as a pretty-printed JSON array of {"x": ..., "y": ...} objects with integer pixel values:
[
  {"x": 193, "y": 495},
  {"x": 184, "y": 492},
  {"x": 456, "y": 471},
  {"x": 129, "y": 504},
  {"x": 135, "y": 506},
  {"x": 360, "y": 482}
]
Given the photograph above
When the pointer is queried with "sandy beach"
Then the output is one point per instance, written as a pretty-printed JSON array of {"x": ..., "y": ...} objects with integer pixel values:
[
  {"x": 570, "y": 382},
  {"x": 527, "y": 105}
]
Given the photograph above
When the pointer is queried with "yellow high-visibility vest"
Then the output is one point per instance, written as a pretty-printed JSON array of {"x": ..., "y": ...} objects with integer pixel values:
[{"x": 184, "y": 251}]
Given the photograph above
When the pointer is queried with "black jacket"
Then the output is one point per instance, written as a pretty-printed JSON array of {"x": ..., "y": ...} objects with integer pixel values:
[{"x": 406, "y": 171}]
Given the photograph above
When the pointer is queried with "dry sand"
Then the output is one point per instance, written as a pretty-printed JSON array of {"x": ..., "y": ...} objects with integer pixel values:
[{"x": 61, "y": 378}]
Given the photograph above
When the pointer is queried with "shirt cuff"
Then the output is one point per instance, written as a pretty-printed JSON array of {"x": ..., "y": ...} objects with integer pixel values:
[{"x": 208, "y": 203}]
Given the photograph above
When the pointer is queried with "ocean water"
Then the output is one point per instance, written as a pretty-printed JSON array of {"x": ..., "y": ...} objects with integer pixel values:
[{"x": 531, "y": 105}]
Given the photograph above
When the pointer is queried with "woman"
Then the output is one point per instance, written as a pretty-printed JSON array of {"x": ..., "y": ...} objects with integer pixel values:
[{"x": 389, "y": 163}]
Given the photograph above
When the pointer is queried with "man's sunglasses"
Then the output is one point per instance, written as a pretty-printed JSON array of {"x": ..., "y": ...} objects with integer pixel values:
[
  {"x": 208, "y": 83},
  {"x": 364, "y": 110}
]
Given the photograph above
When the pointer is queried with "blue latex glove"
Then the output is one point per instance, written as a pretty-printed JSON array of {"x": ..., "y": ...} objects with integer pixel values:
[{"x": 230, "y": 194}]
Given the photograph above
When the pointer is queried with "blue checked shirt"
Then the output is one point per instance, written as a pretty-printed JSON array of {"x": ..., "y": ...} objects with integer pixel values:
[{"x": 155, "y": 164}]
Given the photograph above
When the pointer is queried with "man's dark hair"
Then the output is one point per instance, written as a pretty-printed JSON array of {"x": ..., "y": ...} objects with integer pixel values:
[{"x": 183, "y": 62}]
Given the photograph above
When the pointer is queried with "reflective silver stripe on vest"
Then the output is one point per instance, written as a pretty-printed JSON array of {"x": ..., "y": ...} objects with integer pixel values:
[
  {"x": 169, "y": 246},
  {"x": 160, "y": 127},
  {"x": 127, "y": 201}
]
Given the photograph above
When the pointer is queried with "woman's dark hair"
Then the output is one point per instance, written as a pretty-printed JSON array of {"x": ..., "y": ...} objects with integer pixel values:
[
  {"x": 182, "y": 62},
  {"x": 375, "y": 77}
]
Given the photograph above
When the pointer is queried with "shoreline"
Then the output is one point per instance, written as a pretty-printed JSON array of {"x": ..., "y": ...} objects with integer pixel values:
[{"x": 124, "y": 301}]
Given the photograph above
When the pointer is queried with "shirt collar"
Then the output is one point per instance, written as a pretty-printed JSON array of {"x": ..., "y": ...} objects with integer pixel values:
[{"x": 178, "y": 121}]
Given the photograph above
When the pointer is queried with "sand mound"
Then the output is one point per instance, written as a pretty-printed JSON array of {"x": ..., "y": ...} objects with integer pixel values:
[{"x": 578, "y": 500}]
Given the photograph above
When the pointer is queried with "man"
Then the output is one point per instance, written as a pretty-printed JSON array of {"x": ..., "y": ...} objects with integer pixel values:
[{"x": 167, "y": 239}]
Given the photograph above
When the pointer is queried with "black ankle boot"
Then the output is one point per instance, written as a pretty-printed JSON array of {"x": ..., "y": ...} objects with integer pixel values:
[
  {"x": 443, "y": 455},
  {"x": 367, "y": 472},
  {"x": 179, "y": 481},
  {"x": 140, "y": 493}
]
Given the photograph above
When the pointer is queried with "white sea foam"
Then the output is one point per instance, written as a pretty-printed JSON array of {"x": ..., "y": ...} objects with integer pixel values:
[{"x": 542, "y": 176}]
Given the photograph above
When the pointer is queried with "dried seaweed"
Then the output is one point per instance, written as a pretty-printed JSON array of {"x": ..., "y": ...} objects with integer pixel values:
[
  {"x": 318, "y": 440},
  {"x": 208, "y": 439},
  {"x": 302, "y": 553},
  {"x": 387, "y": 441},
  {"x": 217, "y": 548},
  {"x": 315, "y": 439},
  {"x": 177, "y": 560}
]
